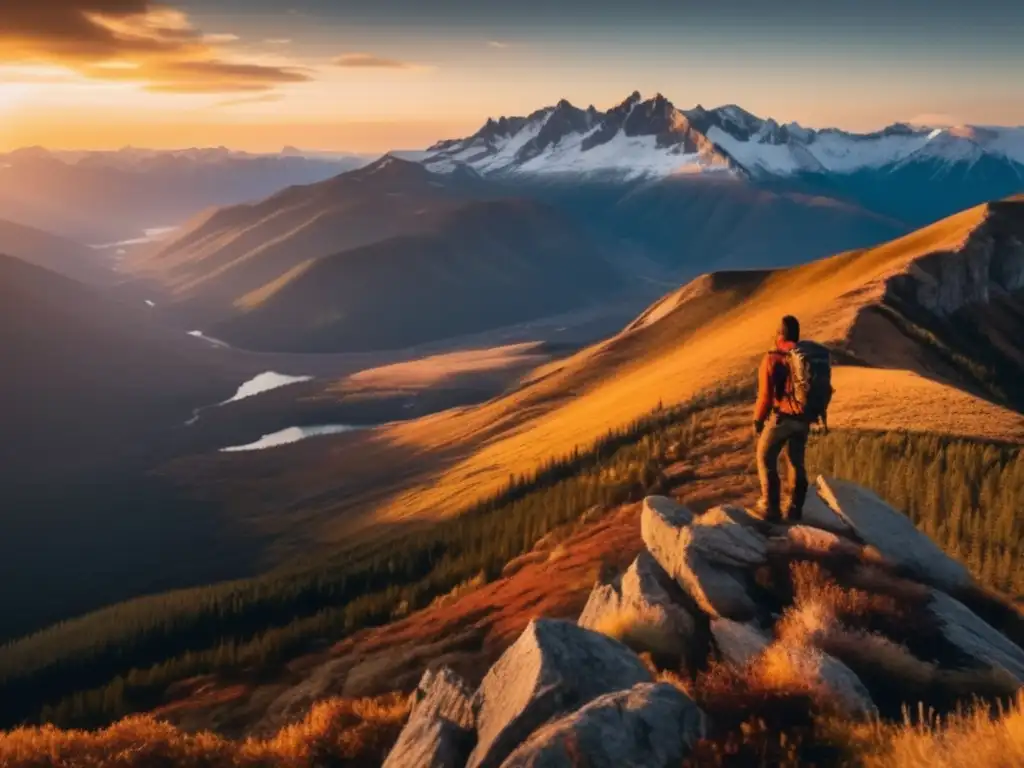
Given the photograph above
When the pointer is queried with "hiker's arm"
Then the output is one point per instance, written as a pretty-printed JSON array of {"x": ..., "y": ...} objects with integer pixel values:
[{"x": 764, "y": 391}]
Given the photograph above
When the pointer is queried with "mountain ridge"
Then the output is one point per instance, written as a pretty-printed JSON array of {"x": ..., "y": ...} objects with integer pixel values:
[{"x": 701, "y": 140}]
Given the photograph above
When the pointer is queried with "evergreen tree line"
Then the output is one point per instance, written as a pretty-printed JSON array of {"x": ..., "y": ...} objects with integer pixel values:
[
  {"x": 967, "y": 495},
  {"x": 92, "y": 670}
]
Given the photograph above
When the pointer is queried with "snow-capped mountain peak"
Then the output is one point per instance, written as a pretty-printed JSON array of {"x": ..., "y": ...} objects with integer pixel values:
[{"x": 652, "y": 138}]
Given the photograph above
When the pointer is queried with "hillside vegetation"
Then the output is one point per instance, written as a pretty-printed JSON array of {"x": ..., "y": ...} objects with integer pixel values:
[
  {"x": 133, "y": 651},
  {"x": 93, "y": 670}
]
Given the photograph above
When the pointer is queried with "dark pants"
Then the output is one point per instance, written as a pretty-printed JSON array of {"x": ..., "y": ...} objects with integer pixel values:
[{"x": 782, "y": 432}]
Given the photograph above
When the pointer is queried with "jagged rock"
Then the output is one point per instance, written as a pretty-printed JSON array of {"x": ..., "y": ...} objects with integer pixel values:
[
  {"x": 709, "y": 556},
  {"x": 439, "y": 733},
  {"x": 975, "y": 637},
  {"x": 892, "y": 533},
  {"x": 738, "y": 643},
  {"x": 640, "y": 591},
  {"x": 653, "y": 725},
  {"x": 819, "y": 670},
  {"x": 818, "y": 514},
  {"x": 554, "y": 668}
]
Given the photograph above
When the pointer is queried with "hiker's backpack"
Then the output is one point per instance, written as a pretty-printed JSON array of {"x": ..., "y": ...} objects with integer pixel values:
[{"x": 810, "y": 368}]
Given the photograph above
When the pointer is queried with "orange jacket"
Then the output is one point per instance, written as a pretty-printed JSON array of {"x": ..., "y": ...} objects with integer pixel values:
[{"x": 774, "y": 384}]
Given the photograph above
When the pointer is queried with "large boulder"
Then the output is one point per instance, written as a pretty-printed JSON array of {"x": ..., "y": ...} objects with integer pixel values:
[
  {"x": 439, "y": 733},
  {"x": 818, "y": 514},
  {"x": 738, "y": 643},
  {"x": 710, "y": 556},
  {"x": 976, "y": 638},
  {"x": 891, "y": 533},
  {"x": 641, "y": 594},
  {"x": 554, "y": 668},
  {"x": 654, "y": 725}
]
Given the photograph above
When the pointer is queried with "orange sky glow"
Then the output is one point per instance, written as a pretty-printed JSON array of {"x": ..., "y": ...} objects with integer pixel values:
[{"x": 101, "y": 74}]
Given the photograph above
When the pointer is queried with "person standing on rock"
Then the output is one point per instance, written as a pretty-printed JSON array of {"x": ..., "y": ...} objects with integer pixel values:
[{"x": 793, "y": 392}]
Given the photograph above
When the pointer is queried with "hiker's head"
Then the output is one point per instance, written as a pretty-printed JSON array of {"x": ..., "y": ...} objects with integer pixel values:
[{"x": 789, "y": 329}]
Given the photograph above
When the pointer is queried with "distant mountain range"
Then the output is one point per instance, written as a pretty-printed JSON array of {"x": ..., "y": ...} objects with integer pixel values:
[
  {"x": 941, "y": 170},
  {"x": 654, "y": 139},
  {"x": 103, "y": 197},
  {"x": 387, "y": 256}
]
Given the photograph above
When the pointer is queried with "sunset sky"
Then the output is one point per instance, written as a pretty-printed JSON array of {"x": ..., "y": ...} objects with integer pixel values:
[{"x": 372, "y": 76}]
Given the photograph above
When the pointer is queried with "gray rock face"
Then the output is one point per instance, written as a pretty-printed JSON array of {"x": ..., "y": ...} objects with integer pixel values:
[
  {"x": 892, "y": 533},
  {"x": 650, "y": 726},
  {"x": 642, "y": 592},
  {"x": 818, "y": 514},
  {"x": 738, "y": 643},
  {"x": 439, "y": 731},
  {"x": 975, "y": 637},
  {"x": 708, "y": 556},
  {"x": 554, "y": 668}
]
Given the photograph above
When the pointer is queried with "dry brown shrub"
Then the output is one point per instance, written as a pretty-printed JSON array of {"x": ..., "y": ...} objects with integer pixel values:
[{"x": 355, "y": 733}]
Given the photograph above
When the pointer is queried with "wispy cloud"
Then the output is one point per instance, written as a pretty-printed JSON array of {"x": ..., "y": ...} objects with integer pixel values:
[
  {"x": 152, "y": 44},
  {"x": 278, "y": 41},
  {"x": 263, "y": 98},
  {"x": 370, "y": 61},
  {"x": 498, "y": 44},
  {"x": 220, "y": 38}
]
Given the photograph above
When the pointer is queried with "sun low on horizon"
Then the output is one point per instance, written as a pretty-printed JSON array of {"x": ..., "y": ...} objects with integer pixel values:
[{"x": 362, "y": 77}]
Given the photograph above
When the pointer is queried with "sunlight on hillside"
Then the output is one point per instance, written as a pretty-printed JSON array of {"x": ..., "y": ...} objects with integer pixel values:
[{"x": 553, "y": 417}]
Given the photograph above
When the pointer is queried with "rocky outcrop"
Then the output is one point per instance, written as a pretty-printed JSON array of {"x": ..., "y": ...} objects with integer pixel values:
[
  {"x": 708, "y": 556},
  {"x": 554, "y": 668},
  {"x": 439, "y": 733},
  {"x": 795, "y": 611},
  {"x": 892, "y": 534},
  {"x": 650, "y": 725},
  {"x": 975, "y": 638},
  {"x": 642, "y": 594},
  {"x": 738, "y": 644}
]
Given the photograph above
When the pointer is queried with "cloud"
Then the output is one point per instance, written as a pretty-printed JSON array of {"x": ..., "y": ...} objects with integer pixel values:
[
  {"x": 278, "y": 41},
  {"x": 220, "y": 38},
  {"x": 498, "y": 44},
  {"x": 369, "y": 61},
  {"x": 263, "y": 98},
  {"x": 152, "y": 44}
]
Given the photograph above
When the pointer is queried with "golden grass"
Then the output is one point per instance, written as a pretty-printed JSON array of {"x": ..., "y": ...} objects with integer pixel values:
[
  {"x": 641, "y": 633},
  {"x": 355, "y": 733},
  {"x": 868, "y": 398},
  {"x": 973, "y": 739}
]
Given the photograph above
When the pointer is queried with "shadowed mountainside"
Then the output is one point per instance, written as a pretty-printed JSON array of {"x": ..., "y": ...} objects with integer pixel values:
[{"x": 54, "y": 253}]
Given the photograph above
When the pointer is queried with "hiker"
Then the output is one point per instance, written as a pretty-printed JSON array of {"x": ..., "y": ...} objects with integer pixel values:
[{"x": 793, "y": 392}]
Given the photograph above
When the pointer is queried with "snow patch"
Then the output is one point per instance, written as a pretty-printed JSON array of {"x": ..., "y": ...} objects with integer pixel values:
[
  {"x": 289, "y": 436},
  {"x": 150, "y": 235},
  {"x": 209, "y": 339},
  {"x": 265, "y": 382}
]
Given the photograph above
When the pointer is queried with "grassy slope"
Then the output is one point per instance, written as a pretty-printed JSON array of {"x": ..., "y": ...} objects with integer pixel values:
[{"x": 441, "y": 464}]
